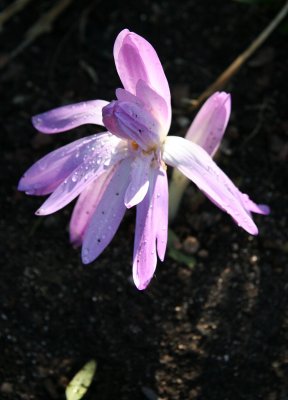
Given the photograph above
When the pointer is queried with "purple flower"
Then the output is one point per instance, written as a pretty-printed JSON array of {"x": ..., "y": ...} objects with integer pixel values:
[
  {"x": 126, "y": 165},
  {"x": 207, "y": 130}
]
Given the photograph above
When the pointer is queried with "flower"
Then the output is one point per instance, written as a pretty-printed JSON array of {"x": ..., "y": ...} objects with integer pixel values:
[
  {"x": 207, "y": 130},
  {"x": 126, "y": 165}
]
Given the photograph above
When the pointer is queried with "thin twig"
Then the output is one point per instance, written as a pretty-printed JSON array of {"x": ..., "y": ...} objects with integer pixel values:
[
  {"x": 43, "y": 25},
  {"x": 222, "y": 79},
  {"x": 11, "y": 10}
]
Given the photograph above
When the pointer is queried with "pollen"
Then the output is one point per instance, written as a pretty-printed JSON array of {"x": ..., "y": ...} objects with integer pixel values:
[{"x": 134, "y": 145}]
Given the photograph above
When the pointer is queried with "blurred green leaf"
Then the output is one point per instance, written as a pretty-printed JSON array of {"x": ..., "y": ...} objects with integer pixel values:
[
  {"x": 80, "y": 383},
  {"x": 176, "y": 253}
]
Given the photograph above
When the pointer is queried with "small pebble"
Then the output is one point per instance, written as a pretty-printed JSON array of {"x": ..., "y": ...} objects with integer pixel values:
[{"x": 191, "y": 245}]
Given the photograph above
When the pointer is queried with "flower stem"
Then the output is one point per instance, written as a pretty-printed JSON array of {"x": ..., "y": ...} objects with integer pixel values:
[
  {"x": 179, "y": 182},
  {"x": 240, "y": 60}
]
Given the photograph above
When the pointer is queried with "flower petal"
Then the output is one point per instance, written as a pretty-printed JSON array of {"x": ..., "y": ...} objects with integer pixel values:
[
  {"x": 111, "y": 153},
  {"x": 155, "y": 104},
  {"x": 64, "y": 118},
  {"x": 46, "y": 174},
  {"x": 151, "y": 225},
  {"x": 208, "y": 127},
  {"x": 108, "y": 214},
  {"x": 124, "y": 95},
  {"x": 136, "y": 59},
  {"x": 253, "y": 207},
  {"x": 87, "y": 204},
  {"x": 130, "y": 121},
  {"x": 139, "y": 182},
  {"x": 160, "y": 212},
  {"x": 198, "y": 166}
]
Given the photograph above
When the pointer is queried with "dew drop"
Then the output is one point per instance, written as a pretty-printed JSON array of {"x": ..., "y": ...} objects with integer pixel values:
[{"x": 74, "y": 178}]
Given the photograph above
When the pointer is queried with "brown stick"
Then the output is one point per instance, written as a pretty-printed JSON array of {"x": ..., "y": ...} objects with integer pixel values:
[
  {"x": 222, "y": 79},
  {"x": 11, "y": 10}
]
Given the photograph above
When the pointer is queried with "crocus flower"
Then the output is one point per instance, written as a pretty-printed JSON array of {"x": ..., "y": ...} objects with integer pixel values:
[
  {"x": 207, "y": 130},
  {"x": 125, "y": 166}
]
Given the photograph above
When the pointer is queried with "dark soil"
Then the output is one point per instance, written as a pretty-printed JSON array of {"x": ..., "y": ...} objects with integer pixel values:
[{"x": 215, "y": 331}]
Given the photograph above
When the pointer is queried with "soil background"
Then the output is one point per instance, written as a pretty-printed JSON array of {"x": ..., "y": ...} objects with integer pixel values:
[{"x": 218, "y": 330}]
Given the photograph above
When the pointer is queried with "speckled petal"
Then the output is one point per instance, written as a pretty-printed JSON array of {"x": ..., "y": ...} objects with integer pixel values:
[
  {"x": 198, "y": 166},
  {"x": 151, "y": 225},
  {"x": 86, "y": 205},
  {"x": 155, "y": 104},
  {"x": 139, "y": 183},
  {"x": 136, "y": 59},
  {"x": 108, "y": 214},
  {"x": 64, "y": 118},
  {"x": 208, "y": 127},
  {"x": 130, "y": 121},
  {"x": 50, "y": 171},
  {"x": 110, "y": 154}
]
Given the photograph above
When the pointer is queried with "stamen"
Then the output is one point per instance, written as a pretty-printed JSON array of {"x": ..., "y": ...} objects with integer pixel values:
[{"x": 134, "y": 145}]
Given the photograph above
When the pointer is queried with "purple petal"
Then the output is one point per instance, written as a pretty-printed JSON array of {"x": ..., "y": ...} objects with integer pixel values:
[
  {"x": 208, "y": 127},
  {"x": 46, "y": 174},
  {"x": 64, "y": 118},
  {"x": 130, "y": 121},
  {"x": 198, "y": 166},
  {"x": 110, "y": 154},
  {"x": 123, "y": 95},
  {"x": 253, "y": 207},
  {"x": 86, "y": 205},
  {"x": 136, "y": 59},
  {"x": 155, "y": 104},
  {"x": 139, "y": 182},
  {"x": 160, "y": 211},
  {"x": 108, "y": 214},
  {"x": 151, "y": 225}
]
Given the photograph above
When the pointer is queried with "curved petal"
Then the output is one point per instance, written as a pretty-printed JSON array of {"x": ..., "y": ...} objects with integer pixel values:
[
  {"x": 124, "y": 95},
  {"x": 108, "y": 214},
  {"x": 136, "y": 59},
  {"x": 208, "y": 127},
  {"x": 130, "y": 121},
  {"x": 253, "y": 207},
  {"x": 160, "y": 207},
  {"x": 139, "y": 180},
  {"x": 64, "y": 118},
  {"x": 110, "y": 154},
  {"x": 151, "y": 225},
  {"x": 86, "y": 205},
  {"x": 155, "y": 104},
  {"x": 46, "y": 174},
  {"x": 198, "y": 166}
]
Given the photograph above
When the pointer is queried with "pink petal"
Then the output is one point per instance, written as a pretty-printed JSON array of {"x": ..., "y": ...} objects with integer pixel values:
[
  {"x": 136, "y": 59},
  {"x": 46, "y": 174},
  {"x": 123, "y": 95},
  {"x": 253, "y": 207},
  {"x": 130, "y": 121},
  {"x": 110, "y": 154},
  {"x": 160, "y": 207},
  {"x": 87, "y": 204},
  {"x": 139, "y": 180},
  {"x": 155, "y": 104},
  {"x": 68, "y": 117},
  {"x": 198, "y": 166},
  {"x": 108, "y": 214},
  {"x": 151, "y": 225},
  {"x": 208, "y": 127}
]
